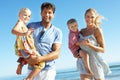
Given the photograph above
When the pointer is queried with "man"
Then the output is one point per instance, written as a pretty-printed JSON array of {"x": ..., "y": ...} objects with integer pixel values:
[{"x": 48, "y": 41}]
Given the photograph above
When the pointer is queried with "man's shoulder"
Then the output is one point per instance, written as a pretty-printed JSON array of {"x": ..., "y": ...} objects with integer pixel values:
[
  {"x": 33, "y": 24},
  {"x": 57, "y": 29}
]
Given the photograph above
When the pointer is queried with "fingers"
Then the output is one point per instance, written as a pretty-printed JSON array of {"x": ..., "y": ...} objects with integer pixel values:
[
  {"x": 30, "y": 31},
  {"x": 76, "y": 55},
  {"x": 32, "y": 60}
]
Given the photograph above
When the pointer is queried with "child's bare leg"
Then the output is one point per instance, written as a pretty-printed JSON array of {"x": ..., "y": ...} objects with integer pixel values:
[
  {"x": 85, "y": 57},
  {"x": 19, "y": 69},
  {"x": 33, "y": 73}
]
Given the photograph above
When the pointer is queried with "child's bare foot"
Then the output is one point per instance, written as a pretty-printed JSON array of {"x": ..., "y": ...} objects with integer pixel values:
[{"x": 19, "y": 69}]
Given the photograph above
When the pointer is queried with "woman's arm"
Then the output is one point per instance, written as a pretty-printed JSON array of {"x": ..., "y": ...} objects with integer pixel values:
[{"x": 100, "y": 40}]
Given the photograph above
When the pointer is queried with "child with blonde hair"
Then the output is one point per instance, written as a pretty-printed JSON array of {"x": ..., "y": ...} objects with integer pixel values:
[{"x": 24, "y": 46}]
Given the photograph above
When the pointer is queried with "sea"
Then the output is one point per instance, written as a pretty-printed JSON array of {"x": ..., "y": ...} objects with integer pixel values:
[{"x": 73, "y": 74}]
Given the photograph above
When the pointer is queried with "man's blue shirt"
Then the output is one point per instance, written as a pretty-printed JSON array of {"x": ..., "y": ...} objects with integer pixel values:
[{"x": 44, "y": 39}]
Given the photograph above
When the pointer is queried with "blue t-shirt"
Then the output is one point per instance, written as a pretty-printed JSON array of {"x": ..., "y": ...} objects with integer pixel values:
[{"x": 44, "y": 39}]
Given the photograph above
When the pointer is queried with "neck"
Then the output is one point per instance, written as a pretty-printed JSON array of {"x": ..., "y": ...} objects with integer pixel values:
[
  {"x": 90, "y": 26},
  {"x": 46, "y": 24}
]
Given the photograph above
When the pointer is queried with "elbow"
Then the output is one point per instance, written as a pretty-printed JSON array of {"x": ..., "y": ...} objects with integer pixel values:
[
  {"x": 103, "y": 50},
  {"x": 57, "y": 55},
  {"x": 12, "y": 32}
]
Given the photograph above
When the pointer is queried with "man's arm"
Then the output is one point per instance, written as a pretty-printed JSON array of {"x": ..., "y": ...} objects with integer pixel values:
[{"x": 50, "y": 56}]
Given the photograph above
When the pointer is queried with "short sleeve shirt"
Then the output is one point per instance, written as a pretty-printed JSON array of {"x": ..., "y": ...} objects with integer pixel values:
[{"x": 44, "y": 39}]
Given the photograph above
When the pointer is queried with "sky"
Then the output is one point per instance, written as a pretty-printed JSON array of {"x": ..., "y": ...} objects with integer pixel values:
[{"x": 65, "y": 9}]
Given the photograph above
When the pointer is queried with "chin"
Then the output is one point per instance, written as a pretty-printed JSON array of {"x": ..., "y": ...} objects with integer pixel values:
[{"x": 26, "y": 22}]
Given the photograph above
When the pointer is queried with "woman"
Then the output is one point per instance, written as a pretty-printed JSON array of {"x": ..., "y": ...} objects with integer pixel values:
[{"x": 92, "y": 41}]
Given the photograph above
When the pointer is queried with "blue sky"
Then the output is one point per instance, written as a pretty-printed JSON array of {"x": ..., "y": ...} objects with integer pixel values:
[{"x": 65, "y": 9}]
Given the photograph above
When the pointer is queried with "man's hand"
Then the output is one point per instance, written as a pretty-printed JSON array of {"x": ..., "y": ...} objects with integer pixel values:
[
  {"x": 84, "y": 42},
  {"x": 30, "y": 31},
  {"x": 33, "y": 60}
]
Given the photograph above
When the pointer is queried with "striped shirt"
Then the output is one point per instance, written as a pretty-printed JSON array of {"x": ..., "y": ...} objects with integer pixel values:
[{"x": 73, "y": 38}]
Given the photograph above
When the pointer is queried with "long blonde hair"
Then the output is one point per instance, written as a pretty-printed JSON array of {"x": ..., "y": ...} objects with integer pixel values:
[{"x": 98, "y": 19}]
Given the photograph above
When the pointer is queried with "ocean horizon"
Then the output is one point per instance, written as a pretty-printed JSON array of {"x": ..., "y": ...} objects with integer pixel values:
[{"x": 73, "y": 74}]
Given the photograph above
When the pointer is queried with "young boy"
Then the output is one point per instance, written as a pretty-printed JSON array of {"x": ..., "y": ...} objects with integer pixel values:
[
  {"x": 24, "y": 45},
  {"x": 73, "y": 38}
]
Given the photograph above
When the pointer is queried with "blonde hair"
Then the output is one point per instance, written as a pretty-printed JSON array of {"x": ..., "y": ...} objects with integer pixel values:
[
  {"x": 98, "y": 19},
  {"x": 24, "y": 10}
]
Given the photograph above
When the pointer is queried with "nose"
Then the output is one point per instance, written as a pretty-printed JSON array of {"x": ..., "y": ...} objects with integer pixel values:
[
  {"x": 89, "y": 18},
  {"x": 47, "y": 14}
]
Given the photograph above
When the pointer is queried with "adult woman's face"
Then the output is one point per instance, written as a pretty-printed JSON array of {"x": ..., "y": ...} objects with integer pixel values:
[{"x": 90, "y": 18}]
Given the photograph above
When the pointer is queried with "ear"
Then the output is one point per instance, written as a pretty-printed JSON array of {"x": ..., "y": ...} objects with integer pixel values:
[
  {"x": 53, "y": 15},
  {"x": 19, "y": 16},
  {"x": 41, "y": 13}
]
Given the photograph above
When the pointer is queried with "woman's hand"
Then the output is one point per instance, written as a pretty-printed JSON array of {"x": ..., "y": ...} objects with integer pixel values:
[
  {"x": 78, "y": 43},
  {"x": 84, "y": 42}
]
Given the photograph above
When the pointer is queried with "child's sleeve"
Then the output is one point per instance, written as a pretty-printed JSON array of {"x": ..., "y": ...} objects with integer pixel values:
[{"x": 22, "y": 61}]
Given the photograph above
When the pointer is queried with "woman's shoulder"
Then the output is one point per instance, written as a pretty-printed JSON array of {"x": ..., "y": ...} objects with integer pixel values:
[
  {"x": 97, "y": 29},
  {"x": 82, "y": 30},
  {"x": 98, "y": 32}
]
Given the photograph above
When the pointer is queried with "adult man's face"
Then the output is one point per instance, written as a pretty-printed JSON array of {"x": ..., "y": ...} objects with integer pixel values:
[{"x": 47, "y": 15}]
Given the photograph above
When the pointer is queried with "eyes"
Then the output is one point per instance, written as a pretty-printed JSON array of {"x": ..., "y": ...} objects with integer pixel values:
[
  {"x": 73, "y": 26},
  {"x": 27, "y": 15},
  {"x": 90, "y": 16},
  {"x": 47, "y": 11}
]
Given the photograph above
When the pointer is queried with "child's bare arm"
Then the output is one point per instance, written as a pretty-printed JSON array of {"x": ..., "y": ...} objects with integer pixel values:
[{"x": 17, "y": 29}]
